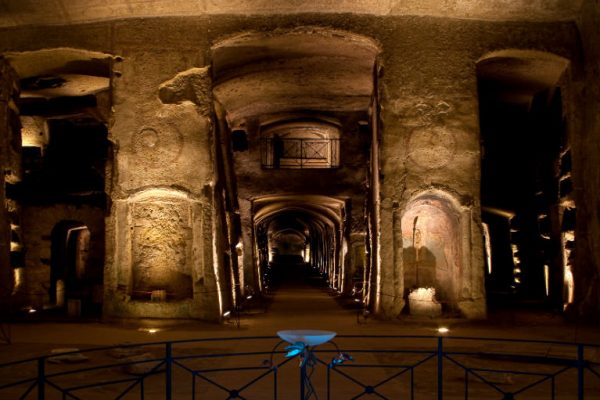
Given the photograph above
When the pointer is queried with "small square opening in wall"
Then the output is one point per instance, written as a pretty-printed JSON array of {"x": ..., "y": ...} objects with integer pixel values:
[{"x": 301, "y": 145}]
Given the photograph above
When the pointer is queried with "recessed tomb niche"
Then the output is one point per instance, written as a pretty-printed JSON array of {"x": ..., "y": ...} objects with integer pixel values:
[
  {"x": 161, "y": 249},
  {"x": 432, "y": 255}
]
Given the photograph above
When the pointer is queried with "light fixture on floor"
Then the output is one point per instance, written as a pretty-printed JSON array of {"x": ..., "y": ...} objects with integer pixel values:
[{"x": 150, "y": 331}]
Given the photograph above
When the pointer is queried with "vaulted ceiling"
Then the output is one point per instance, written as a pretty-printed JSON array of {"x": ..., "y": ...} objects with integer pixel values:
[{"x": 33, "y": 12}]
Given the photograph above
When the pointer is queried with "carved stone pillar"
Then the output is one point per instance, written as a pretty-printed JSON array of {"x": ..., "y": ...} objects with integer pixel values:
[{"x": 164, "y": 253}]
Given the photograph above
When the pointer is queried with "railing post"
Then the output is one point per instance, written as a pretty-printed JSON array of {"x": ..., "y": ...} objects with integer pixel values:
[
  {"x": 440, "y": 371},
  {"x": 168, "y": 371},
  {"x": 275, "y": 383},
  {"x": 302, "y": 379},
  {"x": 41, "y": 378},
  {"x": 329, "y": 366},
  {"x": 580, "y": 371},
  {"x": 412, "y": 383}
]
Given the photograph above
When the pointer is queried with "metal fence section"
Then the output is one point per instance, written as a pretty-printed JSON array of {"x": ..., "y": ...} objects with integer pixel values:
[{"x": 354, "y": 367}]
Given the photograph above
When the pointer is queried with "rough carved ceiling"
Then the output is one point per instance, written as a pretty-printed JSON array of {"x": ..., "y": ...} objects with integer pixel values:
[
  {"x": 307, "y": 69},
  {"x": 515, "y": 76},
  {"x": 32, "y": 12}
]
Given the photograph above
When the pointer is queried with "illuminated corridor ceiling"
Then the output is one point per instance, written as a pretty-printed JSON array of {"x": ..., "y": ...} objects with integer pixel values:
[
  {"x": 258, "y": 74},
  {"x": 33, "y": 12}
]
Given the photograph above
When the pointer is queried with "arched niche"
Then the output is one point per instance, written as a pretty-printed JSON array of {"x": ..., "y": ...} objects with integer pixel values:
[
  {"x": 432, "y": 247},
  {"x": 163, "y": 264},
  {"x": 68, "y": 263},
  {"x": 161, "y": 247}
]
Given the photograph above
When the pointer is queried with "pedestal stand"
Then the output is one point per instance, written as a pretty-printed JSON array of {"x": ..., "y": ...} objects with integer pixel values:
[{"x": 302, "y": 343}]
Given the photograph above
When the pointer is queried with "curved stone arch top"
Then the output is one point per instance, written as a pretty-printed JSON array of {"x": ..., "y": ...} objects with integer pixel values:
[
  {"x": 524, "y": 54},
  {"x": 284, "y": 71},
  {"x": 60, "y": 60},
  {"x": 436, "y": 246},
  {"x": 159, "y": 193},
  {"x": 88, "y": 11},
  {"x": 303, "y": 130},
  {"x": 63, "y": 72},
  {"x": 528, "y": 71}
]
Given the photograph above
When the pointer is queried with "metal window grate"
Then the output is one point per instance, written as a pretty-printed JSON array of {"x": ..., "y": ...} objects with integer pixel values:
[{"x": 300, "y": 153}]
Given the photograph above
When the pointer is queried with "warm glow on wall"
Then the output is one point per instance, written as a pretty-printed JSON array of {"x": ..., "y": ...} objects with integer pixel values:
[
  {"x": 15, "y": 246},
  {"x": 422, "y": 301},
  {"x": 233, "y": 286},
  {"x": 239, "y": 248},
  {"x": 19, "y": 279},
  {"x": 423, "y": 294},
  {"x": 259, "y": 269},
  {"x": 569, "y": 285},
  {"x": 150, "y": 331},
  {"x": 271, "y": 254},
  {"x": 547, "y": 279},
  {"x": 216, "y": 270},
  {"x": 488, "y": 247},
  {"x": 517, "y": 263},
  {"x": 568, "y": 238},
  {"x": 34, "y": 132}
]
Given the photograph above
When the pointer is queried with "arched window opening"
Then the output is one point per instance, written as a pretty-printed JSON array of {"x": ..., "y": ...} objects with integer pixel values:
[{"x": 301, "y": 145}]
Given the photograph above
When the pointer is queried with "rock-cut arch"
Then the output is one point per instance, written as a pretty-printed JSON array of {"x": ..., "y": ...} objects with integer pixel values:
[{"x": 436, "y": 253}]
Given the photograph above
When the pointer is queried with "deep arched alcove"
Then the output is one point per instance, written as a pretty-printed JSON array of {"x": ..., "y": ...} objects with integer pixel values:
[
  {"x": 290, "y": 230},
  {"x": 303, "y": 99},
  {"x": 526, "y": 181},
  {"x": 432, "y": 248}
]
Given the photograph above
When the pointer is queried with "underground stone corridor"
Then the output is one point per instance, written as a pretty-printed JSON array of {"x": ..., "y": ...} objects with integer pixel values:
[{"x": 183, "y": 169}]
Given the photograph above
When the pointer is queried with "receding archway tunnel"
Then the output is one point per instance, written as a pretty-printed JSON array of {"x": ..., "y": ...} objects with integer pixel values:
[
  {"x": 295, "y": 120},
  {"x": 299, "y": 240},
  {"x": 288, "y": 246}
]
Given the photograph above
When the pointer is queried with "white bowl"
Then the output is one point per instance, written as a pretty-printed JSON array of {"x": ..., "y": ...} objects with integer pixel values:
[{"x": 309, "y": 337}]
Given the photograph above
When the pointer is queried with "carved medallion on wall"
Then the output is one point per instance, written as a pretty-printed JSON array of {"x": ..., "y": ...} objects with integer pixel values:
[
  {"x": 156, "y": 148},
  {"x": 432, "y": 146}
]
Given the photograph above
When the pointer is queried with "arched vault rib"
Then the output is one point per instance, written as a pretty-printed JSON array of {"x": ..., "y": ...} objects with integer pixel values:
[
  {"x": 259, "y": 74},
  {"x": 332, "y": 208}
]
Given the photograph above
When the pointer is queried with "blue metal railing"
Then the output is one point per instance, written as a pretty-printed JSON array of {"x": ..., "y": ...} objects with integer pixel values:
[{"x": 383, "y": 366}]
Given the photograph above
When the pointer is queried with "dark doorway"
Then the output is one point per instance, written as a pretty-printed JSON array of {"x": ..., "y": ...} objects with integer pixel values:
[
  {"x": 71, "y": 282},
  {"x": 523, "y": 135}
]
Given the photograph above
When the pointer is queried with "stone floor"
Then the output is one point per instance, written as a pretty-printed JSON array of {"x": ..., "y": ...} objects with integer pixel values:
[{"x": 292, "y": 306}]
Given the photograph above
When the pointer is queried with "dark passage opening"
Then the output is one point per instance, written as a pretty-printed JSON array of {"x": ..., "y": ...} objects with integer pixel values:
[{"x": 524, "y": 139}]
